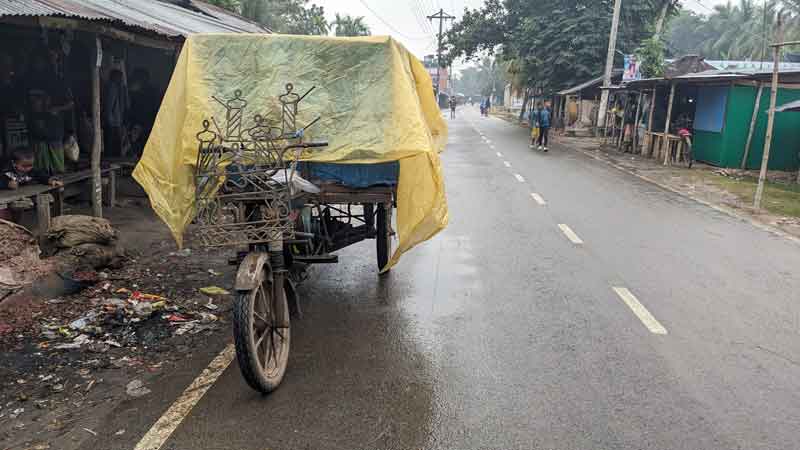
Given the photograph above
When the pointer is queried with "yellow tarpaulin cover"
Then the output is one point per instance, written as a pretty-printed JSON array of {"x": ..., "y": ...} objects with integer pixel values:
[{"x": 375, "y": 100}]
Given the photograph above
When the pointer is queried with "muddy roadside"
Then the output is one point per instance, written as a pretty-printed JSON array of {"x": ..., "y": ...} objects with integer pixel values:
[{"x": 70, "y": 360}]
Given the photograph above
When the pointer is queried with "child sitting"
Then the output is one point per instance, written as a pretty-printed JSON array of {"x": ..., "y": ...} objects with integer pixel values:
[{"x": 20, "y": 172}]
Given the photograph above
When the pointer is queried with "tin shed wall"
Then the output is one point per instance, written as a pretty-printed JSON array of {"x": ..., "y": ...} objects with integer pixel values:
[
  {"x": 726, "y": 148},
  {"x": 785, "y": 136}
]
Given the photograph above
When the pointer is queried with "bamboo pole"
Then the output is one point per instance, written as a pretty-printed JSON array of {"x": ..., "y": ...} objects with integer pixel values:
[
  {"x": 649, "y": 142},
  {"x": 665, "y": 141},
  {"x": 622, "y": 125},
  {"x": 752, "y": 126},
  {"x": 635, "y": 135},
  {"x": 97, "y": 182},
  {"x": 773, "y": 96}
]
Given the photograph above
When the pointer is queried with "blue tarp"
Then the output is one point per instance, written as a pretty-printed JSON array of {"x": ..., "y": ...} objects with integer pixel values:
[{"x": 354, "y": 175}]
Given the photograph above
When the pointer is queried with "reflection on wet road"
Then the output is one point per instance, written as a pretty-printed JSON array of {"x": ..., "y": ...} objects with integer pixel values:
[{"x": 501, "y": 333}]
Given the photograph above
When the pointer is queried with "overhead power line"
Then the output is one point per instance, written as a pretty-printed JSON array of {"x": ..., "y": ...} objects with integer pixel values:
[
  {"x": 419, "y": 16},
  {"x": 399, "y": 33}
]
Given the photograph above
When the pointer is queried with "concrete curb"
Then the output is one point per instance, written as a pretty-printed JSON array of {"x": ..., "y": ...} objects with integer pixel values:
[{"x": 725, "y": 210}]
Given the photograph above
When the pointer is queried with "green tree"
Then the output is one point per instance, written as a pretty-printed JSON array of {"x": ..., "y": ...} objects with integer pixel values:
[
  {"x": 348, "y": 25},
  {"x": 731, "y": 31},
  {"x": 651, "y": 57},
  {"x": 555, "y": 43},
  {"x": 281, "y": 16},
  {"x": 306, "y": 20}
]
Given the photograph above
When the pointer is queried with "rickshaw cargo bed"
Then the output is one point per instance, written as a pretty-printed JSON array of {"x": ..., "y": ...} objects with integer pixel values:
[
  {"x": 372, "y": 103},
  {"x": 358, "y": 176}
]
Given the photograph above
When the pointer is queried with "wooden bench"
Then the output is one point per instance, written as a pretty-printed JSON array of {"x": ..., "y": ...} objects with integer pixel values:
[
  {"x": 49, "y": 201},
  {"x": 663, "y": 149}
]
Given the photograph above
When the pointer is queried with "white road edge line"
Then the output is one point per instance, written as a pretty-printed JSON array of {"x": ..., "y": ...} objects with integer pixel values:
[
  {"x": 538, "y": 198},
  {"x": 507, "y": 164},
  {"x": 499, "y": 155},
  {"x": 641, "y": 312},
  {"x": 519, "y": 178},
  {"x": 172, "y": 418},
  {"x": 570, "y": 234}
]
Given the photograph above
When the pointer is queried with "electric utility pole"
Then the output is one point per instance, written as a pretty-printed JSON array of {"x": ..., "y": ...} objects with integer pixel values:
[
  {"x": 612, "y": 44},
  {"x": 441, "y": 16}
]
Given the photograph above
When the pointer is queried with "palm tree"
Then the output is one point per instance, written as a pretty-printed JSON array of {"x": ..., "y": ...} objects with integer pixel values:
[
  {"x": 348, "y": 25},
  {"x": 731, "y": 31}
]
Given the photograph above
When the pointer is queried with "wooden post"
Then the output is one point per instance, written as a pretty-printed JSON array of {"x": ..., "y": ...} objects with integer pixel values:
[
  {"x": 43, "y": 211},
  {"x": 773, "y": 95},
  {"x": 634, "y": 138},
  {"x": 622, "y": 127},
  {"x": 110, "y": 192},
  {"x": 97, "y": 145},
  {"x": 664, "y": 142},
  {"x": 650, "y": 122},
  {"x": 752, "y": 126}
]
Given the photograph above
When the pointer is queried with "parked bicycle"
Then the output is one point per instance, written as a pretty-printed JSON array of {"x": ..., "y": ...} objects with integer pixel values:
[{"x": 683, "y": 152}]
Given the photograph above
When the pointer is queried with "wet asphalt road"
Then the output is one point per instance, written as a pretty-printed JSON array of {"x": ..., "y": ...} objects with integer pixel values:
[{"x": 501, "y": 333}]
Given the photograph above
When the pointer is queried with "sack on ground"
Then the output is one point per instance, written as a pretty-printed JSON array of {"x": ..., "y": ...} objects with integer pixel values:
[{"x": 71, "y": 231}]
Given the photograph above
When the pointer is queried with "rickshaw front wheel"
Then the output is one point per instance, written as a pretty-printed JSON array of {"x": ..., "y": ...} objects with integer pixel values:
[{"x": 261, "y": 331}]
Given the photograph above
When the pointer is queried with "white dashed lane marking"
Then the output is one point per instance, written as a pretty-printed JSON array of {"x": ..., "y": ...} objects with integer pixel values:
[
  {"x": 499, "y": 155},
  {"x": 519, "y": 178},
  {"x": 570, "y": 234},
  {"x": 506, "y": 163},
  {"x": 538, "y": 198},
  {"x": 641, "y": 312}
]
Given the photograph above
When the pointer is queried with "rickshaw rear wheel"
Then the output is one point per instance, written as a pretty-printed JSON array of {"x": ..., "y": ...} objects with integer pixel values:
[
  {"x": 262, "y": 334},
  {"x": 383, "y": 237}
]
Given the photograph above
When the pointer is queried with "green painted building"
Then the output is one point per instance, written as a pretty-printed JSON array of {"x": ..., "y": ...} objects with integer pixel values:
[
  {"x": 719, "y": 105},
  {"x": 731, "y": 106}
]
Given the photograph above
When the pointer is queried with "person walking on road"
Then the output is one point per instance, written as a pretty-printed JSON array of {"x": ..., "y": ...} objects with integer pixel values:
[
  {"x": 452, "y": 107},
  {"x": 541, "y": 118}
]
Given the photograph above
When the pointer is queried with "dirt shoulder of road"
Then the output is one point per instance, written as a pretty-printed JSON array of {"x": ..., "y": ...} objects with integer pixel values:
[
  {"x": 728, "y": 190},
  {"x": 71, "y": 360}
]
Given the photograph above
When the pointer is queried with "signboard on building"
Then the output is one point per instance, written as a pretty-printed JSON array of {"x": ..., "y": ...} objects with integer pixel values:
[{"x": 631, "y": 69}]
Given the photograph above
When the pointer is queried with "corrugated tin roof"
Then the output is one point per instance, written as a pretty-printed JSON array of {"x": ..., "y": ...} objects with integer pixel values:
[
  {"x": 751, "y": 65},
  {"x": 154, "y": 15},
  {"x": 716, "y": 75}
]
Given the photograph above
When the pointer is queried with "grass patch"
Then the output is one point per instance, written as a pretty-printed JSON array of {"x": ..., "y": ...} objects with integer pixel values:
[{"x": 779, "y": 198}]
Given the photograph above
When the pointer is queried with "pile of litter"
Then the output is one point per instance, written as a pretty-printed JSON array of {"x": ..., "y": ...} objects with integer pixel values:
[{"x": 126, "y": 318}]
